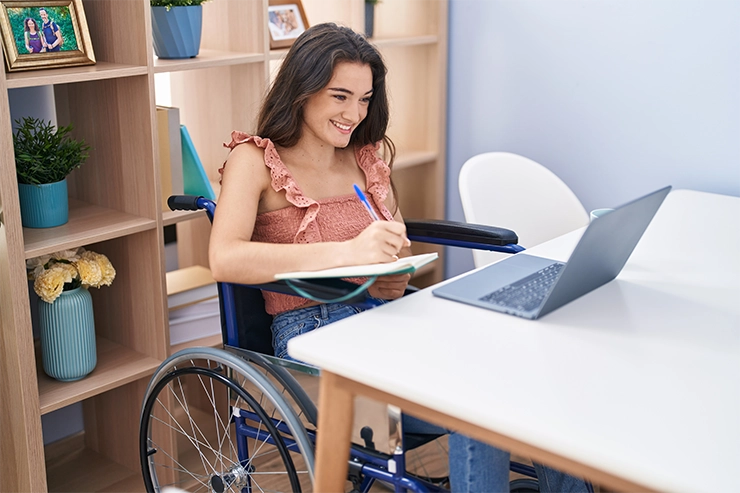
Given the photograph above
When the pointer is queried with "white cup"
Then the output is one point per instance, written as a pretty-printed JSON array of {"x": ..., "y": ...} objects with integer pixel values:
[{"x": 599, "y": 212}]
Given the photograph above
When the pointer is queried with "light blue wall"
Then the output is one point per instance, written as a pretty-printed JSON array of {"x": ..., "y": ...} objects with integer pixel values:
[{"x": 617, "y": 97}]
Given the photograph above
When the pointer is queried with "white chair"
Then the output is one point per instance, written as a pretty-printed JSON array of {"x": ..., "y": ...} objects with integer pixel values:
[{"x": 510, "y": 191}]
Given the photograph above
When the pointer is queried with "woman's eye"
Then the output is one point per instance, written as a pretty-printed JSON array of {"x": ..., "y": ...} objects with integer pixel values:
[
  {"x": 366, "y": 100},
  {"x": 340, "y": 97}
]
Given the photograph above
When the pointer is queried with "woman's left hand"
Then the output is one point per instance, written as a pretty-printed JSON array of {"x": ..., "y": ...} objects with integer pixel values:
[{"x": 389, "y": 287}]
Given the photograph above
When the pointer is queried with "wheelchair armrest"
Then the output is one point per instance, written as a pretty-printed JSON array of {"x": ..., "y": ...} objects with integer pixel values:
[{"x": 454, "y": 233}]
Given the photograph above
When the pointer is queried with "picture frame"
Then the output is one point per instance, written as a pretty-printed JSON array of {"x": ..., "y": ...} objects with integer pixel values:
[
  {"x": 31, "y": 43},
  {"x": 286, "y": 20}
]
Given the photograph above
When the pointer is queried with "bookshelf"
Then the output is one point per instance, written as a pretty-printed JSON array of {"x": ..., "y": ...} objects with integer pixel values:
[{"x": 115, "y": 205}]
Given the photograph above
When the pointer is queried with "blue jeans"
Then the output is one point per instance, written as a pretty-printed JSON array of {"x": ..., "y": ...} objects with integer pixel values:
[{"x": 475, "y": 467}]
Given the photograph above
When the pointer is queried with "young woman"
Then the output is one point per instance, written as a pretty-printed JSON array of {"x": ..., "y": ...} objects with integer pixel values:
[
  {"x": 34, "y": 43},
  {"x": 287, "y": 204}
]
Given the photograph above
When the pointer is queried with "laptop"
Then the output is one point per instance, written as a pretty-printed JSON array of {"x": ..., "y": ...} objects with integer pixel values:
[{"x": 530, "y": 287}]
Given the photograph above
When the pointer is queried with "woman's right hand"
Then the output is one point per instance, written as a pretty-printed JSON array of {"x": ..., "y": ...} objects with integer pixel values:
[{"x": 380, "y": 242}]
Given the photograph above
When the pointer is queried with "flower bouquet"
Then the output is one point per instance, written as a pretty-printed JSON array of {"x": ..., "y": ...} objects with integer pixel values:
[
  {"x": 67, "y": 270},
  {"x": 66, "y": 320}
]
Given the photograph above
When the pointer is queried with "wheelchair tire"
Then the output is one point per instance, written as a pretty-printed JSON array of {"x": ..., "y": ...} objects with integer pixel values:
[
  {"x": 524, "y": 486},
  {"x": 188, "y": 435}
]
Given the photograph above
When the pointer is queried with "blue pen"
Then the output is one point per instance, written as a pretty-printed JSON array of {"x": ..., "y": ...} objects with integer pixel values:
[{"x": 367, "y": 205}]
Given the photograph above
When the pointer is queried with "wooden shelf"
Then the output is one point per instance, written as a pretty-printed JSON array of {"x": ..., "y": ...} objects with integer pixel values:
[
  {"x": 117, "y": 366},
  {"x": 89, "y": 471},
  {"x": 173, "y": 217},
  {"x": 414, "y": 158},
  {"x": 405, "y": 41},
  {"x": 208, "y": 341},
  {"x": 87, "y": 224},
  {"x": 206, "y": 59},
  {"x": 99, "y": 71}
]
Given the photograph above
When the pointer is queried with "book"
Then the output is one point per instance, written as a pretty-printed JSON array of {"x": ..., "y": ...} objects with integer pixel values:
[
  {"x": 195, "y": 180},
  {"x": 168, "y": 127},
  {"x": 195, "y": 321},
  {"x": 405, "y": 265},
  {"x": 165, "y": 173},
  {"x": 189, "y": 285}
]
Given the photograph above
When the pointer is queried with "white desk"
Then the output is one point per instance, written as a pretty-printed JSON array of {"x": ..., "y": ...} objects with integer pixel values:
[{"x": 635, "y": 385}]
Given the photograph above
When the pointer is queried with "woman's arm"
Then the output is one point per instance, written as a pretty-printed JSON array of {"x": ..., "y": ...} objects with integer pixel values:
[
  {"x": 234, "y": 257},
  {"x": 28, "y": 46}
]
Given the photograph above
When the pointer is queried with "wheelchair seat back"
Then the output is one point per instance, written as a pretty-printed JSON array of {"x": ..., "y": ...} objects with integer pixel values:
[{"x": 248, "y": 314}]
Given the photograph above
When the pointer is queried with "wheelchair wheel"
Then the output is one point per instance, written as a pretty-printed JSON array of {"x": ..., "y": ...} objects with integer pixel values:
[{"x": 212, "y": 422}]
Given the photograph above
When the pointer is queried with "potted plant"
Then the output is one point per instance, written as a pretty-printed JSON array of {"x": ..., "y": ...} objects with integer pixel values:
[
  {"x": 176, "y": 27},
  {"x": 66, "y": 321},
  {"x": 44, "y": 156}
]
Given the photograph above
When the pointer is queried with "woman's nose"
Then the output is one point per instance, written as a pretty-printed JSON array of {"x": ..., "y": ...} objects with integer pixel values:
[{"x": 353, "y": 112}]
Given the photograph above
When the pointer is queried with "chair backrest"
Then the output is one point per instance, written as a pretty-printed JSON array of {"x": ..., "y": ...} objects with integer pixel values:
[
  {"x": 252, "y": 322},
  {"x": 510, "y": 191}
]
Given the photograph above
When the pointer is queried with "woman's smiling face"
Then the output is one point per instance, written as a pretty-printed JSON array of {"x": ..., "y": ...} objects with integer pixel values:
[{"x": 333, "y": 113}]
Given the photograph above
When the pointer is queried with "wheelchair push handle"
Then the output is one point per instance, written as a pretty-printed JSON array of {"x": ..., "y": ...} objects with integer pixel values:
[{"x": 191, "y": 203}]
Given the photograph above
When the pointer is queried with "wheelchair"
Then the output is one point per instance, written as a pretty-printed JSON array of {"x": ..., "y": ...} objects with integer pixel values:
[{"x": 240, "y": 419}]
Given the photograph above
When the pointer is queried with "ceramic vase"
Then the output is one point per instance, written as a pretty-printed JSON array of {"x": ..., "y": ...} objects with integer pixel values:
[
  {"x": 369, "y": 19},
  {"x": 44, "y": 206},
  {"x": 67, "y": 331},
  {"x": 176, "y": 32}
]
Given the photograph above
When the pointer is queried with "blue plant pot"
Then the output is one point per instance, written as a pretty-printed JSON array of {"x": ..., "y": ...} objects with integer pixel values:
[
  {"x": 369, "y": 19},
  {"x": 67, "y": 330},
  {"x": 44, "y": 206},
  {"x": 176, "y": 31}
]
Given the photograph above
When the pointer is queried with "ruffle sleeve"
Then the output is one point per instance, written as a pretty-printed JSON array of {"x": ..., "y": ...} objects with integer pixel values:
[
  {"x": 281, "y": 179},
  {"x": 378, "y": 176}
]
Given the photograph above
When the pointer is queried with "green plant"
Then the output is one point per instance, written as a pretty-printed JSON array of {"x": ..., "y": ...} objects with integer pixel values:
[
  {"x": 175, "y": 3},
  {"x": 372, "y": 2},
  {"x": 44, "y": 153}
]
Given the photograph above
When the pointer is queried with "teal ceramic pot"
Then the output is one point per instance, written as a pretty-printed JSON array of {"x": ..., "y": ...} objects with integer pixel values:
[
  {"x": 369, "y": 19},
  {"x": 44, "y": 206},
  {"x": 176, "y": 32},
  {"x": 67, "y": 331}
]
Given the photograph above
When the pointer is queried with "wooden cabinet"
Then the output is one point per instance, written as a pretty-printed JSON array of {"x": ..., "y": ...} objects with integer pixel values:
[{"x": 115, "y": 204}]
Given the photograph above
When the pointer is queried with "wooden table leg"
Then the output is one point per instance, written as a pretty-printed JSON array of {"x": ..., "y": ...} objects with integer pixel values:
[{"x": 334, "y": 434}]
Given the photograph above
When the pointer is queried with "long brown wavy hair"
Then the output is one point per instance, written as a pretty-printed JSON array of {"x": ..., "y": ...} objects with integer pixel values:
[{"x": 307, "y": 69}]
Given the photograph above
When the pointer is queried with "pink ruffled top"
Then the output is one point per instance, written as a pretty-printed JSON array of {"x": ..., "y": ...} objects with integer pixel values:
[{"x": 310, "y": 221}]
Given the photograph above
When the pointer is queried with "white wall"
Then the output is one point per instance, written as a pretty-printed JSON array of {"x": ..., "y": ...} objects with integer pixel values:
[{"x": 617, "y": 97}]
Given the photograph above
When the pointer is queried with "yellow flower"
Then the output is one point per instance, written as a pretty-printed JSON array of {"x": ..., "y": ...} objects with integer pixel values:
[
  {"x": 107, "y": 272},
  {"x": 50, "y": 283},
  {"x": 70, "y": 268},
  {"x": 90, "y": 273}
]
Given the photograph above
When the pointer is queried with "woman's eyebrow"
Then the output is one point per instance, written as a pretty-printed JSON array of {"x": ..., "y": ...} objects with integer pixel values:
[{"x": 341, "y": 89}]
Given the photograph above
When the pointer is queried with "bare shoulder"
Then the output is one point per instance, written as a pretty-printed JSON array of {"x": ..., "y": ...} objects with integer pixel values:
[{"x": 247, "y": 162}]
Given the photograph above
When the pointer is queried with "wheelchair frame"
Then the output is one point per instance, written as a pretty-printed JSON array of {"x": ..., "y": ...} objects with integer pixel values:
[{"x": 366, "y": 465}]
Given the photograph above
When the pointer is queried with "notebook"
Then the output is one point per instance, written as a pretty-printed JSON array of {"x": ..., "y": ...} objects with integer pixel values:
[
  {"x": 405, "y": 265},
  {"x": 530, "y": 287}
]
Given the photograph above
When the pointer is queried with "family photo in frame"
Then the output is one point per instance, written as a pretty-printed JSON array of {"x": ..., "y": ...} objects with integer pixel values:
[
  {"x": 44, "y": 34},
  {"x": 286, "y": 21}
]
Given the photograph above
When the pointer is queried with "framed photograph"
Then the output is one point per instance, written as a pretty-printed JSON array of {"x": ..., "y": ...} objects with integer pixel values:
[
  {"x": 44, "y": 34},
  {"x": 286, "y": 21}
]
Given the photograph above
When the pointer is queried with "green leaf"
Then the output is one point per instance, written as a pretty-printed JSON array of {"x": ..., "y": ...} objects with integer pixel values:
[{"x": 44, "y": 153}]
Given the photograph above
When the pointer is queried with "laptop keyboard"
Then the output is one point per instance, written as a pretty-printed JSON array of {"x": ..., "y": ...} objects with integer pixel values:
[{"x": 526, "y": 294}]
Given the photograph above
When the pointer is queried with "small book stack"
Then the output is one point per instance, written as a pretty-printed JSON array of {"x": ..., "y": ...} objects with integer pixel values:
[{"x": 192, "y": 299}]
